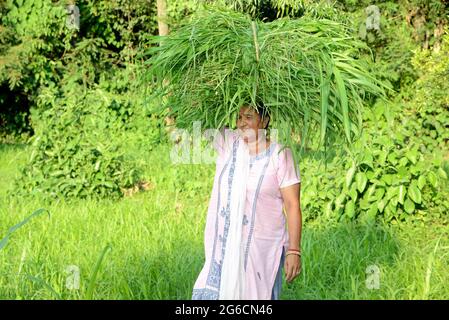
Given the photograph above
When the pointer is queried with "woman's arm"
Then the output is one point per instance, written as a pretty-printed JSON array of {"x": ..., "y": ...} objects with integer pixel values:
[
  {"x": 291, "y": 197},
  {"x": 219, "y": 138}
]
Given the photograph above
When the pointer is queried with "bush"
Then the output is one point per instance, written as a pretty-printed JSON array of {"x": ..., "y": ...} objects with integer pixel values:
[
  {"x": 388, "y": 177},
  {"x": 427, "y": 117},
  {"x": 384, "y": 176},
  {"x": 82, "y": 142},
  {"x": 399, "y": 169},
  {"x": 38, "y": 50}
]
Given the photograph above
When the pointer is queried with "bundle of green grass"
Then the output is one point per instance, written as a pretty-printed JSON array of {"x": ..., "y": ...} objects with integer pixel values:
[{"x": 305, "y": 71}]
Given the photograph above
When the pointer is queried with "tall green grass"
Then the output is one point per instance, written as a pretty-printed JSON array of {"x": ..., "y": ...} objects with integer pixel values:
[{"x": 156, "y": 245}]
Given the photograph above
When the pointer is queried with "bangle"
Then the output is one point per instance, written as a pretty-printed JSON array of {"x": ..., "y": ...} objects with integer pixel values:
[
  {"x": 295, "y": 253},
  {"x": 295, "y": 250}
]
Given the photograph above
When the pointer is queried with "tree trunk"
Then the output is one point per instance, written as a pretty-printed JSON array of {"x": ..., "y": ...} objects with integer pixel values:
[
  {"x": 162, "y": 17},
  {"x": 163, "y": 31}
]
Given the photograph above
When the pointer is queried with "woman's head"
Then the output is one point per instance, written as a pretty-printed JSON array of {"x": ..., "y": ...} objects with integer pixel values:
[{"x": 252, "y": 119}]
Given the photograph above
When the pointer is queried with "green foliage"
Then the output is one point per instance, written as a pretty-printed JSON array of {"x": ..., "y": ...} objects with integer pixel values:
[
  {"x": 79, "y": 85},
  {"x": 404, "y": 27},
  {"x": 75, "y": 156},
  {"x": 269, "y": 10},
  {"x": 319, "y": 181},
  {"x": 32, "y": 35},
  {"x": 399, "y": 169},
  {"x": 38, "y": 50},
  {"x": 390, "y": 178},
  {"x": 31, "y": 40},
  {"x": 82, "y": 142},
  {"x": 122, "y": 24},
  {"x": 38, "y": 47},
  {"x": 177, "y": 10},
  {"x": 384, "y": 177},
  {"x": 427, "y": 118}
]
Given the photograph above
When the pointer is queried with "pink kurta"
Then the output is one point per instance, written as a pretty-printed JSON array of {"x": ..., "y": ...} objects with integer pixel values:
[{"x": 264, "y": 223}]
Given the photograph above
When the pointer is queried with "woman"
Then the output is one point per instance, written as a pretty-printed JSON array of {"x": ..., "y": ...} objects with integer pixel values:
[{"x": 246, "y": 242}]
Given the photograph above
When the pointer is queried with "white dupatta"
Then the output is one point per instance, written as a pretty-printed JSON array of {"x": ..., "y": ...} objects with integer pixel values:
[{"x": 232, "y": 284}]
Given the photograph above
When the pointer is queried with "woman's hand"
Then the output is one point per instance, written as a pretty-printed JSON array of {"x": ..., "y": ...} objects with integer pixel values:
[{"x": 292, "y": 267}]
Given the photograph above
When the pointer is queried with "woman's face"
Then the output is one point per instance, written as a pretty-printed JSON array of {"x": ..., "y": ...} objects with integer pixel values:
[{"x": 249, "y": 122}]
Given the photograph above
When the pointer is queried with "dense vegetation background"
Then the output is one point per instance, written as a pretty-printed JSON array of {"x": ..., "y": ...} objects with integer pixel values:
[{"x": 80, "y": 137}]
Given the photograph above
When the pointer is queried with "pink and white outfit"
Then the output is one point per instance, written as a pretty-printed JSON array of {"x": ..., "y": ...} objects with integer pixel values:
[{"x": 264, "y": 236}]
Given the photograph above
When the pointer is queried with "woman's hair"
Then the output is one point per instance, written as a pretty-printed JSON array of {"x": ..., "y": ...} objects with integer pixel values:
[{"x": 263, "y": 112}]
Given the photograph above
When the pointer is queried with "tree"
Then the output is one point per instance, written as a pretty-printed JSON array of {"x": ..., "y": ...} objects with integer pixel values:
[{"x": 162, "y": 17}]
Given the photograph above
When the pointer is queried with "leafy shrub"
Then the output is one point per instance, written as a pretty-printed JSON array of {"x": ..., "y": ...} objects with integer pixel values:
[
  {"x": 38, "y": 50},
  {"x": 399, "y": 168},
  {"x": 405, "y": 26},
  {"x": 389, "y": 178},
  {"x": 319, "y": 185},
  {"x": 82, "y": 141},
  {"x": 384, "y": 176},
  {"x": 427, "y": 117}
]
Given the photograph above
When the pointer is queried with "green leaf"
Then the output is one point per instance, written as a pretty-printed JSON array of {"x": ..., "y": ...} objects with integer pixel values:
[
  {"x": 372, "y": 212},
  {"x": 371, "y": 190},
  {"x": 387, "y": 178},
  {"x": 364, "y": 204},
  {"x": 432, "y": 178},
  {"x": 24, "y": 221},
  {"x": 402, "y": 172},
  {"x": 381, "y": 205},
  {"x": 368, "y": 160},
  {"x": 392, "y": 158},
  {"x": 409, "y": 206},
  {"x": 382, "y": 157},
  {"x": 412, "y": 155},
  {"x": 414, "y": 193},
  {"x": 442, "y": 173},
  {"x": 4, "y": 241},
  {"x": 339, "y": 200},
  {"x": 361, "y": 180},
  {"x": 391, "y": 192},
  {"x": 353, "y": 193},
  {"x": 370, "y": 174},
  {"x": 393, "y": 202},
  {"x": 341, "y": 91},
  {"x": 91, "y": 284},
  {"x": 389, "y": 212},
  {"x": 350, "y": 209},
  {"x": 403, "y": 162},
  {"x": 45, "y": 284},
  {"x": 328, "y": 210},
  {"x": 379, "y": 194},
  {"x": 325, "y": 88},
  {"x": 421, "y": 182},
  {"x": 350, "y": 175}
]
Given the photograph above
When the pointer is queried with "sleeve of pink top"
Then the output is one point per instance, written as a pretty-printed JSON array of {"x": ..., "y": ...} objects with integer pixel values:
[
  {"x": 286, "y": 173},
  {"x": 223, "y": 140}
]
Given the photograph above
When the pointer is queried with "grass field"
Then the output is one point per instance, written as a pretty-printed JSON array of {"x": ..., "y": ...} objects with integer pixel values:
[{"x": 150, "y": 245}]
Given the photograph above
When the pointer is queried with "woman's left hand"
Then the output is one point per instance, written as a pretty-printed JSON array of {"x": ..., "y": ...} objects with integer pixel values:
[{"x": 292, "y": 267}]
